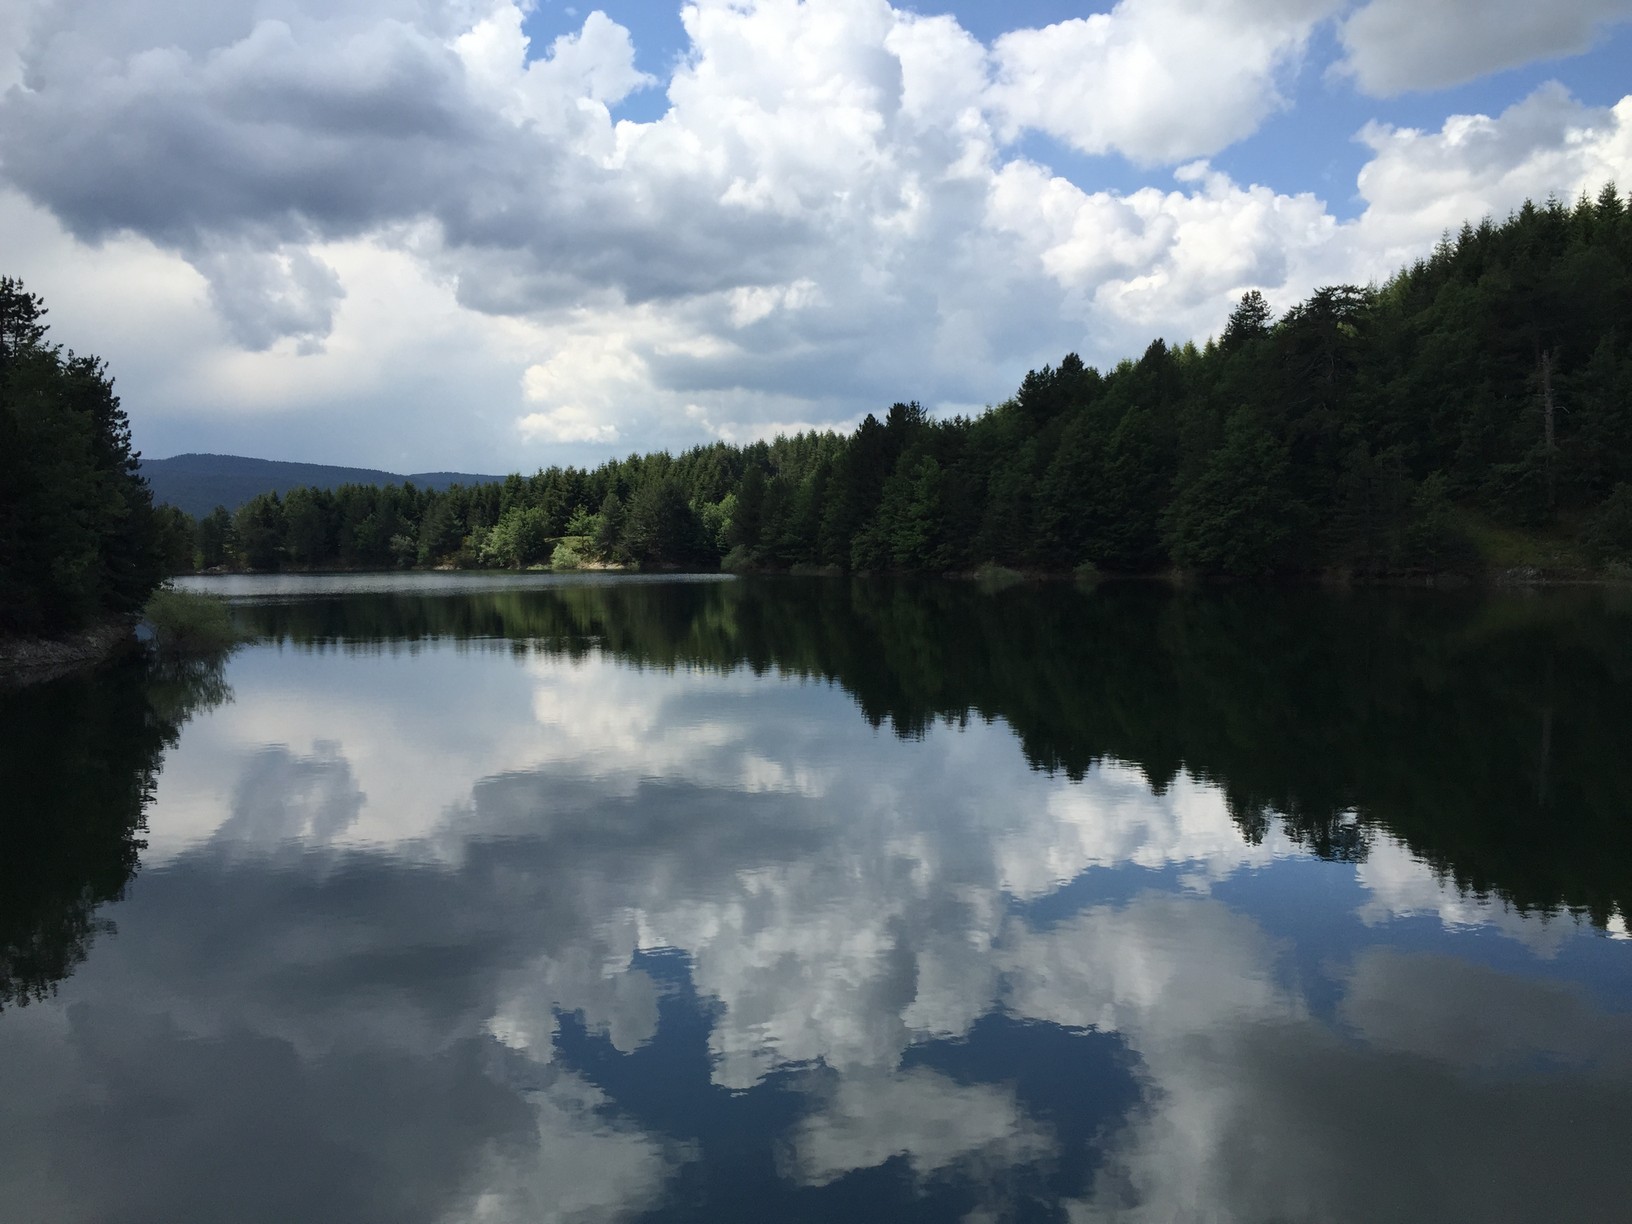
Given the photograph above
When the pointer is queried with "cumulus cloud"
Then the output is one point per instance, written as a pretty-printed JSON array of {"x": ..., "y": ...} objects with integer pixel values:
[
  {"x": 581, "y": 1167},
  {"x": 1548, "y": 143},
  {"x": 1393, "y": 46},
  {"x": 835, "y": 210},
  {"x": 1155, "y": 80},
  {"x": 1259, "y": 1110},
  {"x": 568, "y": 423},
  {"x": 1398, "y": 887},
  {"x": 265, "y": 295}
]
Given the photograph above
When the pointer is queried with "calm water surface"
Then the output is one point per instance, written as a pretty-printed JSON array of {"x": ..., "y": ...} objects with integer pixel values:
[{"x": 462, "y": 898}]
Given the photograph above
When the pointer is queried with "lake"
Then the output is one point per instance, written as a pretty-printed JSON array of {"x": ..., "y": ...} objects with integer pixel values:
[{"x": 587, "y": 898}]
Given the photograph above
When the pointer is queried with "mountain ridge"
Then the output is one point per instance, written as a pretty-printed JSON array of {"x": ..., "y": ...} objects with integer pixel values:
[{"x": 197, "y": 482}]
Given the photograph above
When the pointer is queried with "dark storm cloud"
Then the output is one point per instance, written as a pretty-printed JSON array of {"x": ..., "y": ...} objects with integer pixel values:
[
  {"x": 238, "y": 144},
  {"x": 298, "y": 138}
]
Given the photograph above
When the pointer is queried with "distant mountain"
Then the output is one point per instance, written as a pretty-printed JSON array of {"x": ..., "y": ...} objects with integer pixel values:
[{"x": 199, "y": 483}]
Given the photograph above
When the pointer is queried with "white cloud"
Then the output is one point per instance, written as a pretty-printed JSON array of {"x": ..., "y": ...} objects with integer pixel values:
[
  {"x": 1154, "y": 80},
  {"x": 568, "y": 423},
  {"x": 922, "y": 1115},
  {"x": 1258, "y": 1109},
  {"x": 406, "y": 232},
  {"x": 1158, "y": 968},
  {"x": 1118, "y": 820},
  {"x": 1137, "y": 261},
  {"x": 1398, "y": 45},
  {"x": 592, "y": 978},
  {"x": 582, "y": 1167},
  {"x": 1419, "y": 183},
  {"x": 568, "y": 89},
  {"x": 1399, "y": 886}
]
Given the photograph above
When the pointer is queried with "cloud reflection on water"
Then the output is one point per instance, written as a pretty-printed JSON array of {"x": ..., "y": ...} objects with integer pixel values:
[{"x": 359, "y": 966}]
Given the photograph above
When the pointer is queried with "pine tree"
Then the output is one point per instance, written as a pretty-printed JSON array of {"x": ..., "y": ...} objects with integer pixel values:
[{"x": 78, "y": 541}]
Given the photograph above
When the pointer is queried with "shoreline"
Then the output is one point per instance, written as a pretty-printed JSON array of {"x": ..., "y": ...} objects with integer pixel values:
[
  {"x": 33, "y": 660},
  {"x": 1502, "y": 578}
]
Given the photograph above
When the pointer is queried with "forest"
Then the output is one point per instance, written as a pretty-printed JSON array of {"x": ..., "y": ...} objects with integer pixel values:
[
  {"x": 1475, "y": 411},
  {"x": 80, "y": 541}
]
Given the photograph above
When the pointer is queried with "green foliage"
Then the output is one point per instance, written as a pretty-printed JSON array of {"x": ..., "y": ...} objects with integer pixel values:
[
  {"x": 215, "y": 542},
  {"x": 308, "y": 527},
  {"x": 78, "y": 538},
  {"x": 991, "y": 577},
  {"x": 520, "y": 538},
  {"x": 1234, "y": 518},
  {"x": 661, "y": 528},
  {"x": 1436, "y": 541},
  {"x": 258, "y": 529},
  {"x": 583, "y": 522},
  {"x": 569, "y": 554},
  {"x": 173, "y": 539},
  {"x": 609, "y": 529},
  {"x": 190, "y": 623},
  {"x": 1485, "y": 389}
]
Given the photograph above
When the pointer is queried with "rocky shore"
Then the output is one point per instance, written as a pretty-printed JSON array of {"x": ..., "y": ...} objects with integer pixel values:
[{"x": 32, "y": 660}]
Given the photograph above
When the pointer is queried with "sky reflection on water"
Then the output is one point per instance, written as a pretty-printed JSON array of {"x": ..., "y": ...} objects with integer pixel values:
[{"x": 460, "y": 934}]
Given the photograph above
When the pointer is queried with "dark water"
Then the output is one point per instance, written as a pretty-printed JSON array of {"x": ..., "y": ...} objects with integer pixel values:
[{"x": 462, "y": 899}]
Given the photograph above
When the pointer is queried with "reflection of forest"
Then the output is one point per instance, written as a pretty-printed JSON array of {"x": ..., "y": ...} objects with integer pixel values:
[
  {"x": 1485, "y": 732},
  {"x": 78, "y": 760}
]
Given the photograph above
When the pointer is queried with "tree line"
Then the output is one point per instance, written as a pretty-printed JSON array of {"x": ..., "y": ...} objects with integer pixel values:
[
  {"x": 1481, "y": 395},
  {"x": 1476, "y": 407}
]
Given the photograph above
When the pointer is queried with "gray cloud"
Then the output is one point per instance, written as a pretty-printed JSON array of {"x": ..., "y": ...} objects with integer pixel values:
[
  {"x": 282, "y": 798},
  {"x": 832, "y": 213},
  {"x": 860, "y": 160},
  {"x": 264, "y": 295},
  {"x": 276, "y": 134},
  {"x": 1394, "y": 46},
  {"x": 1421, "y": 1101}
]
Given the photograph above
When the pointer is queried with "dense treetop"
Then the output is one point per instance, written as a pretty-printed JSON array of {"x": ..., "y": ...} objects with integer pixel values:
[{"x": 79, "y": 540}]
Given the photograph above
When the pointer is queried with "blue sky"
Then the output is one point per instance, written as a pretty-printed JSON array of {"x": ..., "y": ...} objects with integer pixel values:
[
  {"x": 1307, "y": 147},
  {"x": 491, "y": 234}
]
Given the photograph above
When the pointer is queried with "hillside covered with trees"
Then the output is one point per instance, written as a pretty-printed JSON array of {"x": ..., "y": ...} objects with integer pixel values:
[
  {"x": 1475, "y": 407},
  {"x": 198, "y": 483}
]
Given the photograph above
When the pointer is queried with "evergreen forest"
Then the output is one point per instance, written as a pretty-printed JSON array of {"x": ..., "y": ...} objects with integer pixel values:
[
  {"x": 1473, "y": 412},
  {"x": 80, "y": 541}
]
